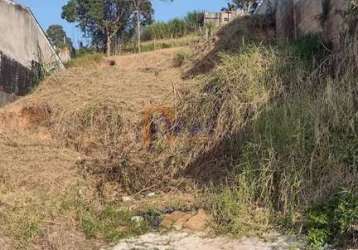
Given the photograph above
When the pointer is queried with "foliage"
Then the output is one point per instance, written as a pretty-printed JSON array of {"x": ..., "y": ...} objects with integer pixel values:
[
  {"x": 87, "y": 58},
  {"x": 333, "y": 221},
  {"x": 281, "y": 121},
  {"x": 175, "y": 28},
  {"x": 181, "y": 57},
  {"x": 131, "y": 47},
  {"x": 58, "y": 37},
  {"x": 232, "y": 214},
  {"x": 238, "y": 4},
  {"x": 111, "y": 223},
  {"x": 107, "y": 20}
]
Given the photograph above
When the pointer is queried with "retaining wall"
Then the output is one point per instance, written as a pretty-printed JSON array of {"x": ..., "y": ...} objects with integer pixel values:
[
  {"x": 296, "y": 18},
  {"x": 25, "y": 51}
]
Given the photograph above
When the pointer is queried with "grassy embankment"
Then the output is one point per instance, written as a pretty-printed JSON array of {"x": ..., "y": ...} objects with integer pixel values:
[{"x": 267, "y": 135}]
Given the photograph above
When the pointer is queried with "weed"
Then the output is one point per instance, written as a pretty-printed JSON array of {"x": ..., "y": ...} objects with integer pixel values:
[
  {"x": 333, "y": 221},
  {"x": 181, "y": 57},
  {"x": 175, "y": 28},
  {"x": 160, "y": 44},
  {"x": 110, "y": 223},
  {"x": 232, "y": 214},
  {"x": 86, "y": 59},
  {"x": 281, "y": 130},
  {"x": 309, "y": 48}
]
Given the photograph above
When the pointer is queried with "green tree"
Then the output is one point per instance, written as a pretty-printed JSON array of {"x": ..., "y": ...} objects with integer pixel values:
[
  {"x": 103, "y": 20},
  {"x": 58, "y": 37},
  {"x": 194, "y": 20},
  {"x": 144, "y": 11},
  {"x": 238, "y": 4}
]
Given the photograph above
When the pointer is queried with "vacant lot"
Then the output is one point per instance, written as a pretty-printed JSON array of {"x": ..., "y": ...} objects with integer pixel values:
[{"x": 40, "y": 183}]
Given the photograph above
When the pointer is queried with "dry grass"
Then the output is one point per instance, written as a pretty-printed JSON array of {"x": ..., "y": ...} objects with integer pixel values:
[
  {"x": 161, "y": 44},
  {"x": 35, "y": 176},
  {"x": 230, "y": 38},
  {"x": 267, "y": 121},
  {"x": 81, "y": 115}
]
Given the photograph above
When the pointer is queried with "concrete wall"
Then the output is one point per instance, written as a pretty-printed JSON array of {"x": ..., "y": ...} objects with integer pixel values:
[
  {"x": 296, "y": 18},
  {"x": 64, "y": 54},
  {"x": 24, "y": 49},
  {"x": 22, "y": 37},
  {"x": 221, "y": 18}
]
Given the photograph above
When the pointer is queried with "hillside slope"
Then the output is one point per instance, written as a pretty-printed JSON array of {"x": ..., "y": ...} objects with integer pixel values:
[{"x": 38, "y": 173}]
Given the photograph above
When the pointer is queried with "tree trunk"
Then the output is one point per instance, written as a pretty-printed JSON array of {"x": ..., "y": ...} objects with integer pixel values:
[
  {"x": 109, "y": 44},
  {"x": 138, "y": 32}
]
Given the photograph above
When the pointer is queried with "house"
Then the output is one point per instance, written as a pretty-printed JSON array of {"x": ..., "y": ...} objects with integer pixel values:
[{"x": 25, "y": 51}]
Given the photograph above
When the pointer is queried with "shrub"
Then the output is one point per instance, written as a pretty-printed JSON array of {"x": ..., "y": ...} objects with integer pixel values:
[
  {"x": 334, "y": 221},
  {"x": 281, "y": 121},
  {"x": 86, "y": 59},
  {"x": 181, "y": 57},
  {"x": 174, "y": 28}
]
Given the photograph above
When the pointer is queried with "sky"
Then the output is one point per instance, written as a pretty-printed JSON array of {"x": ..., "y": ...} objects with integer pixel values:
[{"x": 49, "y": 12}]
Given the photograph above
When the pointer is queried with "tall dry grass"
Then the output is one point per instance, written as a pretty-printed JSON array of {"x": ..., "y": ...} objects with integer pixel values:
[{"x": 286, "y": 136}]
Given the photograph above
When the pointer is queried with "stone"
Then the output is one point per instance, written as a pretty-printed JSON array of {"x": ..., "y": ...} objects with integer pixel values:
[
  {"x": 179, "y": 224},
  {"x": 198, "y": 222},
  {"x": 170, "y": 219},
  {"x": 187, "y": 240},
  {"x": 149, "y": 195}
]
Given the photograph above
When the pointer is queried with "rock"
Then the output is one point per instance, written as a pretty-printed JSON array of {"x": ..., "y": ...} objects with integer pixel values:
[
  {"x": 152, "y": 194},
  {"x": 127, "y": 198},
  {"x": 170, "y": 219},
  {"x": 167, "y": 210},
  {"x": 179, "y": 224},
  {"x": 186, "y": 240},
  {"x": 198, "y": 222}
]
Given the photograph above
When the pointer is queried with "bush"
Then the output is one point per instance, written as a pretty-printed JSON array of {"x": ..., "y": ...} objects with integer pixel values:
[
  {"x": 281, "y": 121},
  {"x": 181, "y": 57},
  {"x": 85, "y": 59},
  {"x": 334, "y": 221},
  {"x": 175, "y": 28}
]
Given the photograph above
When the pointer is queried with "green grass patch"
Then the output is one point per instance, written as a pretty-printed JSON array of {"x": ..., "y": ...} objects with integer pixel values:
[
  {"x": 334, "y": 221},
  {"x": 111, "y": 223},
  {"x": 85, "y": 59}
]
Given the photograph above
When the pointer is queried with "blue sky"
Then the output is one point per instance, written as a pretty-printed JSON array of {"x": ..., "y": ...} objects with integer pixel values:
[{"x": 49, "y": 11}]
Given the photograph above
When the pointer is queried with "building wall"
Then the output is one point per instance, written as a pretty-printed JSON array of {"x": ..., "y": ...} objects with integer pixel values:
[
  {"x": 22, "y": 37},
  {"x": 296, "y": 18},
  {"x": 24, "y": 49},
  {"x": 64, "y": 54},
  {"x": 221, "y": 18}
]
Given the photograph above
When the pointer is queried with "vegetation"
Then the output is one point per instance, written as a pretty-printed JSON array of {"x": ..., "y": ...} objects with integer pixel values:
[
  {"x": 282, "y": 125},
  {"x": 266, "y": 132},
  {"x": 175, "y": 28},
  {"x": 334, "y": 221},
  {"x": 58, "y": 37},
  {"x": 131, "y": 47},
  {"x": 106, "y": 21},
  {"x": 239, "y": 4}
]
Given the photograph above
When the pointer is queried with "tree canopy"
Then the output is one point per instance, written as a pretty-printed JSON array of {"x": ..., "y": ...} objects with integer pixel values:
[
  {"x": 239, "y": 4},
  {"x": 58, "y": 37},
  {"x": 106, "y": 20}
]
